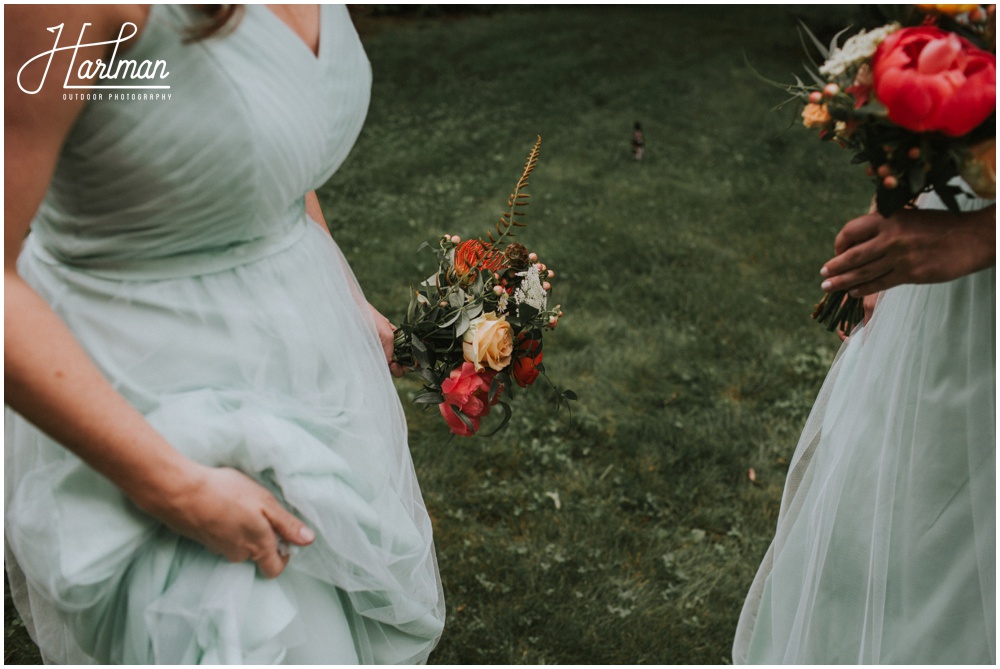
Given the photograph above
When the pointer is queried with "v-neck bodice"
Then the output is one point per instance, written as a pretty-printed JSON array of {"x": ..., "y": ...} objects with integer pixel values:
[
  {"x": 318, "y": 50},
  {"x": 251, "y": 122}
]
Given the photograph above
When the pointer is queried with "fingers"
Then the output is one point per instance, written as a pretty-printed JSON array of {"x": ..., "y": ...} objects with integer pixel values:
[
  {"x": 288, "y": 527},
  {"x": 857, "y": 281},
  {"x": 869, "y": 303},
  {"x": 875, "y": 286},
  {"x": 856, "y": 231},
  {"x": 272, "y": 562},
  {"x": 386, "y": 336},
  {"x": 285, "y": 529}
]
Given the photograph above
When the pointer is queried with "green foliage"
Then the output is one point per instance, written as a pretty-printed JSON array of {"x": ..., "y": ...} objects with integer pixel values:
[{"x": 627, "y": 531}]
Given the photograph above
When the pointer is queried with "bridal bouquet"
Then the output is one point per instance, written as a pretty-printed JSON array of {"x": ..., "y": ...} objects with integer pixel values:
[
  {"x": 474, "y": 328},
  {"x": 914, "y": 99}
]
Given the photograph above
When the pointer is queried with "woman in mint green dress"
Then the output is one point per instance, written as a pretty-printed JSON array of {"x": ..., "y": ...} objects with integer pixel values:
[
  {"x": 205, "y": 457},
  {"x": 885, "y": 550}
]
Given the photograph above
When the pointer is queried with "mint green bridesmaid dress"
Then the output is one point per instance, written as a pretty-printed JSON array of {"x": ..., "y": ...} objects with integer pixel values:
[
  {"x": 174, "y": 244},
  {"x": 885, "y": 550}
]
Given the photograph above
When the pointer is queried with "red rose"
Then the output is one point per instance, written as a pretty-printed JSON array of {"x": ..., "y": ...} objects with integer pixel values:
[
  {"x": 934, "y": 81},
  {"x": 472, "y": 253},
  {"x": 469, "y": 391},
  {"x": 525, "y": 368}
]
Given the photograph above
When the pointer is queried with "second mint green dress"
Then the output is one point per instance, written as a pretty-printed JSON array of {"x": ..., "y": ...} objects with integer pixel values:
[
  {"x": 885, "y": 549},
  {"x": 174, "y": 244}
]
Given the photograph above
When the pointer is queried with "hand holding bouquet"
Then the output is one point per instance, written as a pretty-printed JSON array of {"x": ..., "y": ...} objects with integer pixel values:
[
  {"x": 917, "y": 104},
  {"x": 474, "y": 327}
]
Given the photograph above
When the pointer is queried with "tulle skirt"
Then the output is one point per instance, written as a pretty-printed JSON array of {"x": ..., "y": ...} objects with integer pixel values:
[
  {"x": 885, "y": 550},
  {"x": 268, "y": 363}
]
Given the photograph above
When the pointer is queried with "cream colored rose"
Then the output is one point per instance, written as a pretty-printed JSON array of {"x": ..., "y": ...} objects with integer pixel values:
[{"x": 488, "y": 342}]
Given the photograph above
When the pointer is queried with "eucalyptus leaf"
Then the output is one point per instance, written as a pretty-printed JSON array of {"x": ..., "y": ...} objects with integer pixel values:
[
  {"x": 474, "y": 309},
  {"x": 420, "y": 353},
  {"x": 463, "y": 324},
  {"x": 429, "y": 398},
  {"x": 428, "y": 375}
]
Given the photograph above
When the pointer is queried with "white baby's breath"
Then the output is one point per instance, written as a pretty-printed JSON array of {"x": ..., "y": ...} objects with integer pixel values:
[
  {"x": 530, "y": 291},
  {"x": 855, "y": 50}
]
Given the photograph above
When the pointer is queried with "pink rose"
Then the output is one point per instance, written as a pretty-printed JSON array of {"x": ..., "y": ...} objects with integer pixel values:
[
  {"x": 934, "y": 81},
  {"x": 469, "y": 391}
]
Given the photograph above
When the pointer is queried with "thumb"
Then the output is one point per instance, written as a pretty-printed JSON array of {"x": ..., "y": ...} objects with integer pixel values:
[{"x": 288, "y": 527}]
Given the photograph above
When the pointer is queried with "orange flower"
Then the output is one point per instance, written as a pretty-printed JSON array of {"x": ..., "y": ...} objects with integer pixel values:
[
  {"x": 950, "y": 10},
  {"x": 470, "y": 254},
  {"x": 815, "y": 115},
  {"x": 525, "y": 369},
  {"x": 979, "y": 168}
]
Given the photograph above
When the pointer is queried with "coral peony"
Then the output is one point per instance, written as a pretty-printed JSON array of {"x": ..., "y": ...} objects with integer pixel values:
[
  {"x": 934, "y": 81},
  {"x": 469, "y": 391}
]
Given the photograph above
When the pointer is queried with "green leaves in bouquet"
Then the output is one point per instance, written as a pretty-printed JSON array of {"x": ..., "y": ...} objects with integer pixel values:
[{"x": 918, "y": 163}]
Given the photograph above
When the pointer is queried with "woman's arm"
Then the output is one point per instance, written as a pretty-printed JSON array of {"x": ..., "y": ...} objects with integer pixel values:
[
  {"x": 48, "y": 377},
  {"x": 385, "y": 329},
  {"x": 874, "y": 253}
]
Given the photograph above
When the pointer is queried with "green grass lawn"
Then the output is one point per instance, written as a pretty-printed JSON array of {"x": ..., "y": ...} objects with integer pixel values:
[{"x": 629, "y": 531}]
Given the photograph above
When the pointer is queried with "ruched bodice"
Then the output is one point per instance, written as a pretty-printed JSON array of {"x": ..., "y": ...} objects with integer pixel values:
[{"x": 225, "y": 160}]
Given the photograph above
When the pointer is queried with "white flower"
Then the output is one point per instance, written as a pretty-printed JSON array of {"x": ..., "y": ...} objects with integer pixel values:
[
  {"x": 530, "y": 291},
  {"x": 858, "y": 48}
]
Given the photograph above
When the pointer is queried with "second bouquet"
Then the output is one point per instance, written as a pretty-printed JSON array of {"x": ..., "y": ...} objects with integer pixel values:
[{"x": 473, "y": 329}]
